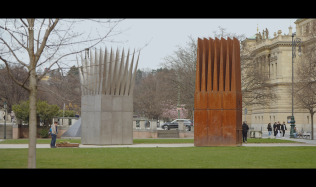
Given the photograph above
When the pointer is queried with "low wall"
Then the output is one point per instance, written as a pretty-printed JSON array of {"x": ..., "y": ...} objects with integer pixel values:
[
  {"x": 8, "y": 131},
  {"x": 148, "y": 133},
  {"x": 186, "y": 134},
  {"x": 22, "y": 131},
  {"x": 143, "y": 133}
]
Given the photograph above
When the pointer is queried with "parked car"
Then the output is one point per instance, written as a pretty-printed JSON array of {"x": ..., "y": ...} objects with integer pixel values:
[{"x": 174, "y": 124}]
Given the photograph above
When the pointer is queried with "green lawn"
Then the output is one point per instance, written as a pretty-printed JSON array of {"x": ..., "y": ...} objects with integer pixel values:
[
  {"x": 182, "y": 157},
  {"x": 139, "y": 141}
]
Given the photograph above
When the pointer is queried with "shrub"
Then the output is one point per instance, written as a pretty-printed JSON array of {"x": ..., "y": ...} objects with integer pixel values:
[
  {"x": 43, "y": 133},
  {"x": 45, "y": 111}
]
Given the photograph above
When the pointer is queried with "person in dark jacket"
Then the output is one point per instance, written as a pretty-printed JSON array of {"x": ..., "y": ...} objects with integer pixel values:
[
  {"x": 275, "y": 129},
  {"x": 245, "y": 129},
  {"x": 283, "y": 128},
  {"x": 269, "y": 128},
  {"x": 279, "y": 129}
]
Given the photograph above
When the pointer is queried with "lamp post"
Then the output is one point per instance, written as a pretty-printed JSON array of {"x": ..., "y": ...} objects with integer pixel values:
[
  {"x": 5, "y": 118},
  {"x": 179, "y": 96},
  {"x": 294, "y": 43}
]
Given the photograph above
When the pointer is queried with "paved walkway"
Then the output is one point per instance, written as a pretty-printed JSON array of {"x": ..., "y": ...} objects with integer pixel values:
[
  {"x": 303, "y": 142},
  {"x": 18, "y": 146},
  {"x": 38, "y": 146}
]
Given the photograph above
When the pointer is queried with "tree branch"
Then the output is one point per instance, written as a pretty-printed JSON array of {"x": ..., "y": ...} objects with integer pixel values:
[{"x": 11, "y": 76}]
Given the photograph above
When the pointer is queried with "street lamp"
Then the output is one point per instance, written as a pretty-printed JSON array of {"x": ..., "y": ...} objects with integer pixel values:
[
  {"x": 294, "y": 43},
  {"x": 5, "y": 115}
]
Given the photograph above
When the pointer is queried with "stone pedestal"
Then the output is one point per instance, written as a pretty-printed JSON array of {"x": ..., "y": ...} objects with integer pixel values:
[
  {"x": 142, "y": 124},
  {"x": 65, "y": 122},
  {"x": 153, "y": 125},
  {"x": 15, "y": 132},
  {"x": 73, "y": 121},
  {"x": 181, "y": 126},
  {"x": 107, "y": 119}
]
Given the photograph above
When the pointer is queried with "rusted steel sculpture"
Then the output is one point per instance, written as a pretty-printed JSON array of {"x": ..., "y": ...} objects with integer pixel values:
[{"x": 217, "y": 97}]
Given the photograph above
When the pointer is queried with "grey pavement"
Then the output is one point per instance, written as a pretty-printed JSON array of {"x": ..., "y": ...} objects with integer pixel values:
[{"x": 302, "y": 142}]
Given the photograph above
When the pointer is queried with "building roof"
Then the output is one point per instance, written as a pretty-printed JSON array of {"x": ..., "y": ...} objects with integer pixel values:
[{"x": 254, "y": 37}]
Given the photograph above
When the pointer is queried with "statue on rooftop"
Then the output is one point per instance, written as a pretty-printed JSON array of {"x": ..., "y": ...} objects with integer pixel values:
[
  {"x": 260, "y": 37},
  {"x": 267, "y": 33}
]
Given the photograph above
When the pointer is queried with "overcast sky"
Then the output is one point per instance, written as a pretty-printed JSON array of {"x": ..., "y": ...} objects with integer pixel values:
[{"x": 164, "y": 35}]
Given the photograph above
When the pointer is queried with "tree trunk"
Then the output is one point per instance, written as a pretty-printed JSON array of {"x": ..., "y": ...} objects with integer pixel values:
[
  {"x": 32, "y": 121},
  {"x": 312, "y": 131}
]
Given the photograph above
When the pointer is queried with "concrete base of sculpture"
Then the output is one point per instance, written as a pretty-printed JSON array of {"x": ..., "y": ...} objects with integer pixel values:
[{"x": 107, "y": 119}]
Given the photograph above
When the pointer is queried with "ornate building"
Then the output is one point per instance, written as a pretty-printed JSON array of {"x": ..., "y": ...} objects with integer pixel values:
[{"x": 273, "y": 56}]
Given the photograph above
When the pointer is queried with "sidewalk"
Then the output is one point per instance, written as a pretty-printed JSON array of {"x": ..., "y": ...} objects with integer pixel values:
[
  {"x": 287, "y": 137},
  {"x": 303, "y": 142}
]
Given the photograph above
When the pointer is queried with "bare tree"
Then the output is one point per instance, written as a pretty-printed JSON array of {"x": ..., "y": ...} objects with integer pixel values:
[
  {"x": 11, "y": 92},
  {"x": 151, "y": 95},
  {"x": 255, "y": 78},
  {"x": 46, "y": 42},
  {"x": 183, "y": 64}
]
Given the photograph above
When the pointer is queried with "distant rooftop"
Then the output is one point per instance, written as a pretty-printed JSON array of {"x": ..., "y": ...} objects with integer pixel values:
[{"x": 254, "y": 37}]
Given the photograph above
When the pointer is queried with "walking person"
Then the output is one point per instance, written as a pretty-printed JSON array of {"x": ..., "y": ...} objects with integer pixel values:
[
  {"x": 279, "y": 129},
  {"x": 245, "y": 129},
  {"x": 54, "y": 133},
  {"x": 269, "y": 129},
  {"x": 275, "y": 129},
  {"x": 283, "y": 128},
  {"x": 12, "y": 116}
]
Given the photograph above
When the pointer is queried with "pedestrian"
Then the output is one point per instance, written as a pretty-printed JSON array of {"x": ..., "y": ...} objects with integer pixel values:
[
  {"x": 3, "y": 116},
  {"x": 269, "y": 129},
  {"x": 54, "y": 133},
  {"x": 12, "y": 116},
  {"x": 295, "y": 133},
  {"x": 283, "y": 128},
  {"x": 275, "y": 129},
  {"x": 245, "y": 129},
  {"x": 279, "y": 129}
]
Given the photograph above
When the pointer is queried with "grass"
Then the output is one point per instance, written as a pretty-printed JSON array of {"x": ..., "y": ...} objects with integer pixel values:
[
  {"x": 182, "y": 157},
  {"x": 144, "y": 141}
]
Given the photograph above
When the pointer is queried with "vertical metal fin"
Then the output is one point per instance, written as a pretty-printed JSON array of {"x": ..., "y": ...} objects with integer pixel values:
[
  {"x": 210, "y": 67},
  {"x": 127, "y": 89},
  {"x": 105, "y": 64},
  {"x": 120, "y": 74},
  {"x": 204, "y": 64},
  {"x": 134, "y": 77},
  {"x": 124, "y": 80}
]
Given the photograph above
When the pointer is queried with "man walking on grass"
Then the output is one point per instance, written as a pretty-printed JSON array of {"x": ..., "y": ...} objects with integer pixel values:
[
  {"x": 54, "y": 134},
  {"x": 245, "y": 129}
]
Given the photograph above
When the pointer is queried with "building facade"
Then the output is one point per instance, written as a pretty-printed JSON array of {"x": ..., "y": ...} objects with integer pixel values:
[{"x": 274, "y": 56}]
